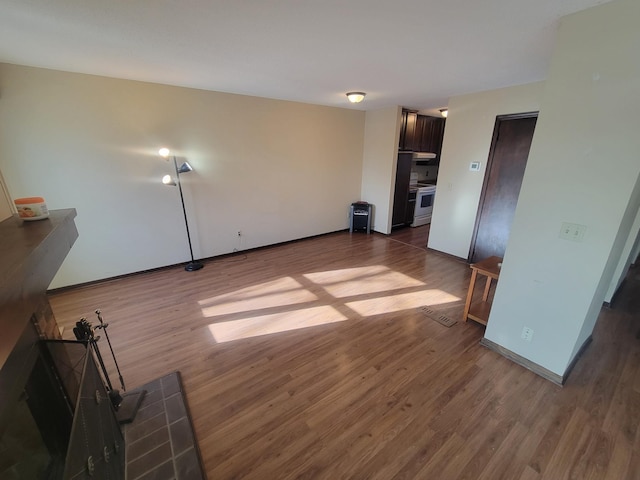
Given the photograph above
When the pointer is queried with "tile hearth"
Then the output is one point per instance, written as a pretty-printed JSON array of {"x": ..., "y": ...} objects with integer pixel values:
[{"x": 160, "y": 441}]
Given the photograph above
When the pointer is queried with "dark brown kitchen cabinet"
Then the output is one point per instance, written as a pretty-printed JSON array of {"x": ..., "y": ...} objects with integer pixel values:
[
  {"x": 401, "y": 194},
  {"x": 407, "y": 130},
  {"x": 428, "y": 134},
  {"x": 411, "y": 207},
  {"x": 437, "y": 134},
  {"x": 421, "y": 133},
  {"x": 422, "y": 137}
]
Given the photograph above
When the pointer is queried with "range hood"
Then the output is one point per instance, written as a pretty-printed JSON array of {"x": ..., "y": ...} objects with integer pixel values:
[{"x": 423, "y": 156}]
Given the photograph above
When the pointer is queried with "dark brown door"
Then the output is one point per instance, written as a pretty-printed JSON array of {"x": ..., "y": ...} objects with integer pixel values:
[{"x": 507, "y": 160}]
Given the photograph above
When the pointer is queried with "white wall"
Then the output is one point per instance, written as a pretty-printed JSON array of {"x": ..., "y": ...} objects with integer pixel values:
[
  {"x": 274, "y": 170},
  {"x": 382, "y": 131},
  {"x": 5, "y": 200},
  {"x": 467, "y": 138},
  {"x": 583, "y": 168}
]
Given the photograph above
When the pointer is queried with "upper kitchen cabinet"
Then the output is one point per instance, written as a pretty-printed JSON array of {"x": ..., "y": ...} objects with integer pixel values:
[
  {"x": 428, "y": 134},
  {"x": 407, "y": 130},
  {"x": 437, "y": 134},
  {"x": 421, "y": 133}
]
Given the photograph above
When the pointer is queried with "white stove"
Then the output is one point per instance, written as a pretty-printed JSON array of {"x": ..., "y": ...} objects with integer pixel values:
[{"x": 424, "y": 204}]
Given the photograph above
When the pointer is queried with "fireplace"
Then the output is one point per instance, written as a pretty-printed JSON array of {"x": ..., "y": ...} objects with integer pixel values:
[
  {"x": 57, "y": 422},
  {"x": 40, "y": 385},
  {"x": 56, "y": 419},
  {"x": 36, "y": 417}
]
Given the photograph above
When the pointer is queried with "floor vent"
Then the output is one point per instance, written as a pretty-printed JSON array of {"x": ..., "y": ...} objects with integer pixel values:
[{"x": 438, "y": 317}]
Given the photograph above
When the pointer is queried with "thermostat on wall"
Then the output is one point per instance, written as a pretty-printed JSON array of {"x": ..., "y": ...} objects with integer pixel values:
[{"x": 474, "y": 166}]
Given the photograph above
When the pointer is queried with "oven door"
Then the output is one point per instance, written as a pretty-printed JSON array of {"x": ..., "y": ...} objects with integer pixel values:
[
  {"x": 424, "y": 207},
  {"x": 424, "y": 203}
]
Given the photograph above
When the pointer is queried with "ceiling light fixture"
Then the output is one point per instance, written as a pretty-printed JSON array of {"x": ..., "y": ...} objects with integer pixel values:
[
  {"x": 444, "y": 112},
  {"x": 355, "y": 97}
]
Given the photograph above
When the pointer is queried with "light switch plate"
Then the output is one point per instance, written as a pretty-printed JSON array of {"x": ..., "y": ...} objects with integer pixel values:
[
  {"x": 474, "y": 166},
  {"x": 572, "y": 231}
]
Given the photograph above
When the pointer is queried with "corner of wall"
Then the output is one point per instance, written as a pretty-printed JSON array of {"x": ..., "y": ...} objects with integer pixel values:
[
  {"x": 6, "y": 206},
  {"x": 379, "y": 163}
]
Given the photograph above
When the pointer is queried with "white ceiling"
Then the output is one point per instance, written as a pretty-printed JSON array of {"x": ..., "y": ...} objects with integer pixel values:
[{"x": 414, "y": 53}]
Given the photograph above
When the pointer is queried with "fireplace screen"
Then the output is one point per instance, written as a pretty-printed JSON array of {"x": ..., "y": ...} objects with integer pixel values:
[
  {"x": 60, "y": 423},
  {"x": 31, "y": 446},
  {"x": 96, "y": 445}
]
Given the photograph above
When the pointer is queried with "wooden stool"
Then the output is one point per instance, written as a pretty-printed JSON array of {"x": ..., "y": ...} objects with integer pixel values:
[{"x": 479, "y": 311}]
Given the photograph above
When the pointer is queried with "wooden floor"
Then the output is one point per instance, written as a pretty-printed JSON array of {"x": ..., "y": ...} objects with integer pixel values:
[
  {"x": 414, "y": 236},
  {"x": 312, "y": 360}
]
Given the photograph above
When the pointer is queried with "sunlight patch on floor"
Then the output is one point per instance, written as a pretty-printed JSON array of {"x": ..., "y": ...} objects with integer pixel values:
[
  {"x": 362, "y": 280},
  {"x": 281, "y": 292},
  {"x": 274, "y": 323},
  {"x": 287, "y": 295},
  {"x": 399, "y": 302}
]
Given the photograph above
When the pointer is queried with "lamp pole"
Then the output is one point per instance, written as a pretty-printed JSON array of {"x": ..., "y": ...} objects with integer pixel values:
[{"x": 192, "y": 265}]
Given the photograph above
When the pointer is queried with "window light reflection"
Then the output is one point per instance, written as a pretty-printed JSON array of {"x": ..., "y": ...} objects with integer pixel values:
[
  {"x": 403, "y": 301},
  {"x": 274, "y": 323},
  {"x": 283, "y": 291},
  {"x": 315, "y": 299},
  {"x": 362, "y": 280}
]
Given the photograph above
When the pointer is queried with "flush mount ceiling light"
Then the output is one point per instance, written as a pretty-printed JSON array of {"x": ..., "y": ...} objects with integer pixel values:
[
  {"x": 444, "y": 112},
  {"x": 355, "y": 97}
]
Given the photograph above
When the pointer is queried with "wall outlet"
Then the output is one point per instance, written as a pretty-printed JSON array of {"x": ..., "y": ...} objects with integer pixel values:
[
  {"x": 527, "y": 334},
  {"x": 239, "y": 246},
  {"x": 572, "y": 231},
  {"x": 474, "y": 166}
]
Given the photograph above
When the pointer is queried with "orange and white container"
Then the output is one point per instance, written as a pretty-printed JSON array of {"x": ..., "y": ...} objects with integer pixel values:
[{"x": 31, "y": 208}]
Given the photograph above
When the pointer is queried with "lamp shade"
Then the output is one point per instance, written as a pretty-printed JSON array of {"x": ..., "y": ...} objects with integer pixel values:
[
  {"x": 185, "y": 167},
  {"x": 356, "y": 97}
]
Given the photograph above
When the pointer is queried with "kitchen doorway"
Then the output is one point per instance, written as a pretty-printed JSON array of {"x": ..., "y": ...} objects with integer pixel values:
[
  {"x": 512, "y": 137},
  {"x": 413, "y": 236}
]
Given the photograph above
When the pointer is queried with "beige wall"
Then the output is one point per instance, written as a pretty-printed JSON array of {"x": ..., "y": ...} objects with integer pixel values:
[
  {"x": 5, "y": 200},
  {"x": 382, "y": 131},
  {"x": 274, "y": 170},
  {"x": 583, "y": 168},
  {"x": 467, "y": 138}
]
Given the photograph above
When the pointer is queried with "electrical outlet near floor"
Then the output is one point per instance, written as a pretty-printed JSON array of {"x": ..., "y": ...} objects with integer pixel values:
[{"x": 527, "y": 334}]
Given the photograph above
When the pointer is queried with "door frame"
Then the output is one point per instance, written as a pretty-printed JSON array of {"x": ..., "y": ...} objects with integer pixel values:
[{"x": 492, "y": 150}]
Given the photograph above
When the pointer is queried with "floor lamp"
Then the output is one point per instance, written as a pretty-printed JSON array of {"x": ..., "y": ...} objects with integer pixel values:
[{"x": 193, "y": 265}]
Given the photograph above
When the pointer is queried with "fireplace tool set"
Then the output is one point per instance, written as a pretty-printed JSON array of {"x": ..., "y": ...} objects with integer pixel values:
[{"x": 126, "y": 405}]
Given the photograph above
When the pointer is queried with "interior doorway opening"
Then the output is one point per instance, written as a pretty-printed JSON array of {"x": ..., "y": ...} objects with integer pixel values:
[
  {"x": 414, "y": 236},
  {"x": 510, "y": 145}
]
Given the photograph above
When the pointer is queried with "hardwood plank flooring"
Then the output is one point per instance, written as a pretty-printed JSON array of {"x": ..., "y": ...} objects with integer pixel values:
[
  {"x": 415, "y": 236},
  {"x": 312, "y": 360}
]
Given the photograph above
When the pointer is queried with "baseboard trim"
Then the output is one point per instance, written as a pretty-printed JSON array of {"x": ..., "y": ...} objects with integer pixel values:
[
  {"x": 222, "y": 256},
  {"x": 534, "y": 367},
  {"x": 447, "y": 255},
  {"x": 523, "y": 362}
]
